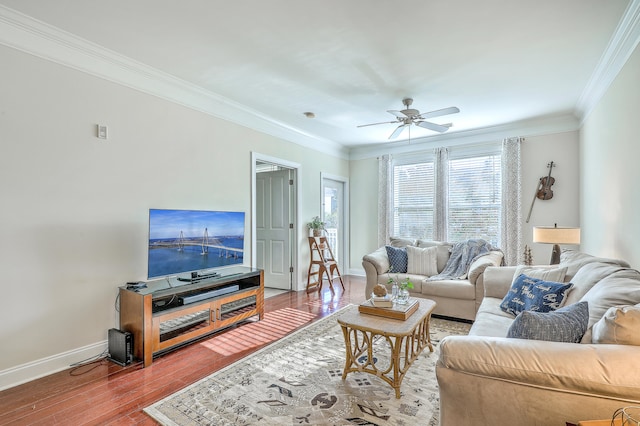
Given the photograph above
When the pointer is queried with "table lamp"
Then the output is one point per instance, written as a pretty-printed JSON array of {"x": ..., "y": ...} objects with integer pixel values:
[{"x": 554, "y": 235}]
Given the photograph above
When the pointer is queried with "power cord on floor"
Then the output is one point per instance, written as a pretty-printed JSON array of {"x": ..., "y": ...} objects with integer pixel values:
[{"x": 96, "y": 361}]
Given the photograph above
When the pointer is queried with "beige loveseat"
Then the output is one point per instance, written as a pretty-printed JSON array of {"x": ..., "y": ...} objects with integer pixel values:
[
  {"x": 486, "y": 378},
  {"x": 457, "y": 298}
]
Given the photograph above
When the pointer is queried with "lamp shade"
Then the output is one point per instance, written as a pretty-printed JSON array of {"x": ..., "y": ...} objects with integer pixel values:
[{"x": 556, "y": 235}]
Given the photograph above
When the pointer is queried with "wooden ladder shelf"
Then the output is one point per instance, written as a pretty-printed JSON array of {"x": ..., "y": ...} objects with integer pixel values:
[{"x": 322, "y": 263}]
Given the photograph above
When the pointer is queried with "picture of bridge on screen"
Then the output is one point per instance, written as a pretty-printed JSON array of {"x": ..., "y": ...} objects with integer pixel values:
[{"x": 193, "y": 241}]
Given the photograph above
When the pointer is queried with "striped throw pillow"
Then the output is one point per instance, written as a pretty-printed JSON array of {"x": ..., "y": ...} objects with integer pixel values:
[{"x": 422, "y": 261}]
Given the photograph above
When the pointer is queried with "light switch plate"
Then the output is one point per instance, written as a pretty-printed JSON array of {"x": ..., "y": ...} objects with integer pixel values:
[{"x": 102, "y": 131}]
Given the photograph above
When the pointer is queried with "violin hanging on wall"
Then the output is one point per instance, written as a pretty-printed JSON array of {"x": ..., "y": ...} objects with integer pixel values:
[{"x": 543, "y": 190}]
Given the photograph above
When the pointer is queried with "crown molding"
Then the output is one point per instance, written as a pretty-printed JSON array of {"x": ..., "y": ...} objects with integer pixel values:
[
  {"x": 525, "y": 128},
  {"x": 621, "y": 46},
  {"x": 24, "y": 33}
]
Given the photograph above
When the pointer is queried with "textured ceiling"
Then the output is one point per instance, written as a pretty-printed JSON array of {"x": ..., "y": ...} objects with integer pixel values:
[{"x": 350, "y": 61}]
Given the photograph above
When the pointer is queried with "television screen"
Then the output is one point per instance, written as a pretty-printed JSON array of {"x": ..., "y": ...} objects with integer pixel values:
[{"x": 193, "y": 240}]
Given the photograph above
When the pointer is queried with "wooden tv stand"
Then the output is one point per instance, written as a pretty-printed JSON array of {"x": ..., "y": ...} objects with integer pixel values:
[{"x": 162, "y": 317}]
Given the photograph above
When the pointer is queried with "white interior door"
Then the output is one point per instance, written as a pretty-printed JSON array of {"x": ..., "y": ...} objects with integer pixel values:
[
  {"x": 334, "y": 210},
  {"x": 273, "y": 232}
]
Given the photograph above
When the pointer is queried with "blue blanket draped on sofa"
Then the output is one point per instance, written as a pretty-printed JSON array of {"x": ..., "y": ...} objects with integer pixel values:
[{"x": 462, "y": 255}]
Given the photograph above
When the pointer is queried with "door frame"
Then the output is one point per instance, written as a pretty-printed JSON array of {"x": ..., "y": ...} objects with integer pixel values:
[
  {"x": 345, "y": 181},
  {"x": 295, "y": 253}
]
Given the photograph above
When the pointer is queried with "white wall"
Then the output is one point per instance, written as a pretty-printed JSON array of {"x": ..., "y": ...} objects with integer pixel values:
[
  {"x": 537, "y": 151},
  {"x": 563, "y": 207},
  {"x": 74, "y": 220},
  {"x": 364, "y": 211},
  {"x": 610, "y": 148}
]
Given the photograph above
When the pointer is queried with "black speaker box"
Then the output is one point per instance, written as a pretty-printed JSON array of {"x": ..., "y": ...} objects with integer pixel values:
[{"x": 120, "y": 347}]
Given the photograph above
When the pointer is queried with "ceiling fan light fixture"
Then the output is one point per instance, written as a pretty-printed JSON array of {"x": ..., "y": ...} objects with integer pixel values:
[{"x": 409, "y": 116}]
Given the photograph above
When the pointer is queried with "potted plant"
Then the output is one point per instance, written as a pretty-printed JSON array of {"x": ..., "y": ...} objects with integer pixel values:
[
  {"x": 316, "y": 225},
  {"x": 403, "y": 292},
  {"x": 394, "y": 284},
  {"x": 399, "y": 289}
]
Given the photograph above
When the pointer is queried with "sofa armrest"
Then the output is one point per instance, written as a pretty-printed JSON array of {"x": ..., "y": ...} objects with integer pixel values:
[
  {"x": 607, "y": 370},
  {"x": 379, "y": 260},
  {"x": 374, "y": 264},
  {"x": 497, "y": 280},
  {"x": 478, "y": 266},
  {"x": 477, "y": 269}
]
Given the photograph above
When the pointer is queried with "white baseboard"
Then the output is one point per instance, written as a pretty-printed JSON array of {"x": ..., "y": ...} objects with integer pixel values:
[
  {"x": 43, "y": 367},
  {"x": 358, "y": 272}
]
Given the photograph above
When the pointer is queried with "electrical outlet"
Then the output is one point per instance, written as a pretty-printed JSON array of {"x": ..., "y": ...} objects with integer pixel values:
[{"x": 102, "y": 132}]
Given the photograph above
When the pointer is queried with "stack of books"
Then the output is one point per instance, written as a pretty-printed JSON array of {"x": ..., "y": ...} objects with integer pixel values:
[
  {"x": 395, "y": 311},
  {"x": 382, "y": 302}
]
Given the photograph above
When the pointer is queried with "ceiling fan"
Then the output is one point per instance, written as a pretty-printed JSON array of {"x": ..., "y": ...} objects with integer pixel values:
[{"x": 409, "y": 116}]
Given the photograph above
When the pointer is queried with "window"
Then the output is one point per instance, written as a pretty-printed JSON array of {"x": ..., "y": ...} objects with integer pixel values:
[
  {"x": 474, "y": 199},
  {"x": 469, "y": 192},
  {"x": 413, "y": 199}
]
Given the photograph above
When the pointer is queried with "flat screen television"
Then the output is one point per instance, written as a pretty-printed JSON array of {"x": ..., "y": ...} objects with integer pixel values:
[{"x": 182, "y": 241}]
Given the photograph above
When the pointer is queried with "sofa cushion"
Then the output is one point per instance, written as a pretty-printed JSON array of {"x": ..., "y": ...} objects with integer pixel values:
[
  {"x": 574, "y": 260},
  {"x": 588, "y": 276},
  {"x": 498, "y": 280},
  {"x": 620, "y": 325},
  {"x": 453, "y": 289},
  {"x": 620, "y": 288},
  {"x": 533, "y": 294},
  {"x": 397, "y": 259},
  {"x": 416, "y": 280},
  {"x": 444, "y": 251},
  {"x": 422, "y": 261},
  {"x": 544, "y": 272},
  {"x": 566, "y": 324},
  {"x": 490, "y": 319},
  {"x": 401, "y": 242}
]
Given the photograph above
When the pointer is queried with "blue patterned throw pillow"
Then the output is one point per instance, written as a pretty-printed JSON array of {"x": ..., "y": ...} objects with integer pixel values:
[
  {"x": 567, "y": 324},
  {"x": 397, "y": 259},
  {"x": 534, "y": 294}
]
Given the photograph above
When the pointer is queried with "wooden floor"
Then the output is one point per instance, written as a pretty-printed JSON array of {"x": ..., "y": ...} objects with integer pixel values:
[{"x": 104, "y": 393}]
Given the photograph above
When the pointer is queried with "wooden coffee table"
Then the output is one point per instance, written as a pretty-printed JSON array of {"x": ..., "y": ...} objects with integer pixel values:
[{"x": 405, "y": 338}]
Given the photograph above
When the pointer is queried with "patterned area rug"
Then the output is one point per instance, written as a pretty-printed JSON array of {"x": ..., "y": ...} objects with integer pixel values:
[{"x": 297, "y": 380}]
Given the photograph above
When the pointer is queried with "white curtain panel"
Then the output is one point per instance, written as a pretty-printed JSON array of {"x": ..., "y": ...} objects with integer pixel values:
[
  {"x": 511, "y": 238},
  {"x": 384, "y": 186},
  {"x": 441, "y": 197}
]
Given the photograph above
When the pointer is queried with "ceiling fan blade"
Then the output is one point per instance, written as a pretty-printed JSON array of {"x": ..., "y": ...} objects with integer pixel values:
[
  {"x": 375, "y": 124},
  {"x": 398, "y": 130},
  {"x": 398, "y": 114},
  {"x": 439, "y": 112},
  {"x": 433, "y": 126}
]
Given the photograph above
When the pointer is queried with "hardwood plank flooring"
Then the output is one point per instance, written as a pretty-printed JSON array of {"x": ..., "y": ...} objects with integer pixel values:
[{"x": 103, "y": 393}]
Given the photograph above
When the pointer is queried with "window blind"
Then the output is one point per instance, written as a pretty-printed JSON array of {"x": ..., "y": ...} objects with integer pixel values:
[
  {"x": 472, "y": 195},
  {"x": 413, "y": 194},
  {"x": 474, "y": 199}
]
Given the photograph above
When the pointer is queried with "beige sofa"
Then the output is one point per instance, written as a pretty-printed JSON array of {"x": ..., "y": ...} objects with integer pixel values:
[
  {"x": 459, "y": 298},
  {"x": 488, "y": 379}
]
